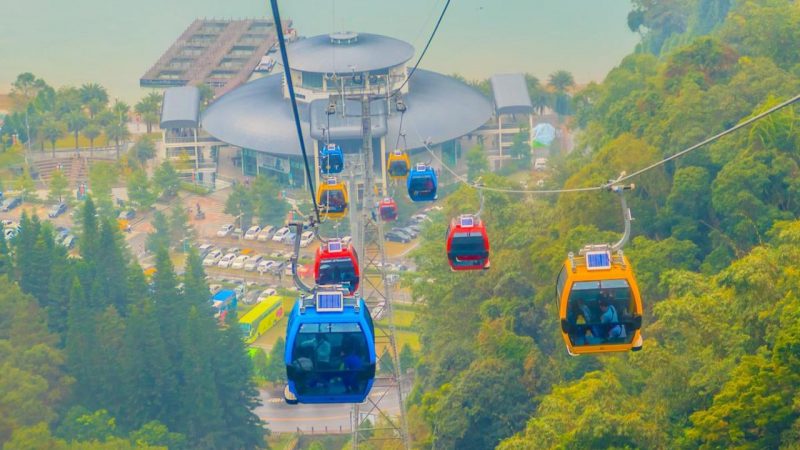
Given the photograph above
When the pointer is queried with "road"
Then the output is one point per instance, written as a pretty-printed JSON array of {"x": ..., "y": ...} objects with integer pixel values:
[{"x": 283, "y": 418}]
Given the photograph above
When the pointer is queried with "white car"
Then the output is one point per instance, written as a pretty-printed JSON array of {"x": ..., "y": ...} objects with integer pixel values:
[
  {"x": 252, "y": 232},
  {"x": 226, "y": 260},
  {"x": 266, "y": 233},
  {"x": 266, "y": 293},
  {"x": 346, "y": 240},
  {"x": 239, "y": 262},
  {"x": 212, "y": 258},
  {"x": 306, "y": 238},
  {"x": 214, "y": 288},
  {"x": 252, "y": 263},
  {"x": 225, "y": 230},
  {"x": 280, "y": 234},
  {"x": 540, "y": 164},
  {"x": 265, "y": 265}
]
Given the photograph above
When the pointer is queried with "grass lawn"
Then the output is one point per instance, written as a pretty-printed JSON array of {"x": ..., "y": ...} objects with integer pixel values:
[
  {"x": 280, "y": 441},
  {"x": 402, "y": 318}
]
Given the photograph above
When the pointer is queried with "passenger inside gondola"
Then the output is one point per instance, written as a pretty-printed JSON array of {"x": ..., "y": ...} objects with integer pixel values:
[
  {"x": 598, "y": 312},
  {"x": 337, "y": 271},
  {"x": 334, "y": 201},
  {"x": 421, "y": 187},
  {"x": 332, "y": 359},
  {"x": 398, "y": 168}
]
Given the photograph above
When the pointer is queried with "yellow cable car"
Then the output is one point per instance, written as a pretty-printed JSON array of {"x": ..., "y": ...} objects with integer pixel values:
[
  {"x": 332, "y": 199},
  {"x": 599, "y": 302},
  {"x": 399, "y": 164}
]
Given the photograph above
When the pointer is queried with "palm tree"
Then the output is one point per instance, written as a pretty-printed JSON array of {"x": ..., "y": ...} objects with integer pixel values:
[
  {"x": 149, "y": 108},
  {"x": 76, "y": 122},
  {"x": 52, "y": 130},
  {"x": 561, "y": 80},
  {"x": 94, "y": 97},
  {"x": 118, "y": 131},
  {"x": 92, "y": 131}
]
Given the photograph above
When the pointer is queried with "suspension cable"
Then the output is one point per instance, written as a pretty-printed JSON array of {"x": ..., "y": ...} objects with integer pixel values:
[
  {"x": 424, "y": 50},
  {"x": 710, "y": 140},
  {"x": 288, "y": 75}
]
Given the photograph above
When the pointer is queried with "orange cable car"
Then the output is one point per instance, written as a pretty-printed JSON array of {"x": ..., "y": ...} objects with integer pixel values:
[
  {"x": 399, "y": 164},
  {"x": 332, "y": 199},
  {"x": 598, "y": 299}
]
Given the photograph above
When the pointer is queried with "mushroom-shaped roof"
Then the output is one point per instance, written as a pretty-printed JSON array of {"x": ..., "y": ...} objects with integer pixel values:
[
  {"x": 346, "y": 52},
  {"x": 181, "y": 107},
  {"x": 256, "y": 116}
]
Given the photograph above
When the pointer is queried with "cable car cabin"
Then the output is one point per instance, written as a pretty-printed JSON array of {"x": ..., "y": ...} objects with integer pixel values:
[
  {"x": 467, "y": 244},
  {"x": 422, "y": 183},
  {"x": 387, "y": 208},
  {"x": 331, "y": 159},
  {"x": 599, "y": 303},
  {"x": 399, "y": 164},
  {"x": 336, "y": 263},
  {"x": 330, "y": 349},
  {"x": 332, "y": 199}
]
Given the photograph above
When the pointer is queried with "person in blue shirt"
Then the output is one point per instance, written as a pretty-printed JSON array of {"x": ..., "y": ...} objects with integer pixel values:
[{"x": 610, "y": 318}]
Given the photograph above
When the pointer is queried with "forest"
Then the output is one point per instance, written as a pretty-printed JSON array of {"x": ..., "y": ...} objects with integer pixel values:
[
  {"x": 97, "y": 356},
  {"x": 715, "y": 249}
]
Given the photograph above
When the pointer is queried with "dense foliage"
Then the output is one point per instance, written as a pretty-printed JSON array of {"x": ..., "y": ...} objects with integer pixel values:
[
  {"x": 715, "y": 251},
  {"x": 93, "y": 353}
]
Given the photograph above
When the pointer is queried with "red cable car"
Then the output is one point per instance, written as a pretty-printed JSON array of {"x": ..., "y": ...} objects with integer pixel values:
[
  {"x": 467, "y": 244},
  {"x": 335, "y": 263},
  {"x": 387, "y": 209}
]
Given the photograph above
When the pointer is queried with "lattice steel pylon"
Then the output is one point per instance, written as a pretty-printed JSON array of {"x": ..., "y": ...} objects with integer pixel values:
[{"x": 367, "y": 231}]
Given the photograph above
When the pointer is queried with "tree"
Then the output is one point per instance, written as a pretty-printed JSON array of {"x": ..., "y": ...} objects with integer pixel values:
[
  {"x": 102, "y": 176},
  {"x": 118, "y": 132},
  {"x": 76, "y": 122},
  {"x": 165, "y": 178},
  {"x": 159, "y": 238},
  {"x": 94, "y": 97},
  {"x": 92, "y": 131},
  {"x": 139, "y": 191},
  {"x": 276, "y": 368},
  {"x": 240, "y": 204},
  {"x": 53, "y": 130},
  {"x": 144, "y": 150},
  {"x": 23, "y": 91},
  {"x": 270, "y": 206},
  {"x": 149, "y": 107},
  {"x": 178, "y": 222},
  {"x": 25, "y": 184},
  {"x": 407, "y": 358},
  {"x": 206, "y": 94},
  {"x": 477, "y": 163}
]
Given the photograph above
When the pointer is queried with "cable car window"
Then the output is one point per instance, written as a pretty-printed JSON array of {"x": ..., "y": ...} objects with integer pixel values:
[
  {"x": 562, "y": 278},
  {"x": 333, "y": 201},
  {"x": 468, "y": 245},
  {"x": 600, "y": 312},
  {"x": 333, "y": 361},
  {"x": 337, "y": 272},
  {"x": 422, "y": 184}
]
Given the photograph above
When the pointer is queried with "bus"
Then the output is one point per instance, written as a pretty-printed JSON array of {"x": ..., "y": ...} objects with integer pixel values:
[
  {"x": 222, "y": 302},
  {"x": 261, "y": 318}
]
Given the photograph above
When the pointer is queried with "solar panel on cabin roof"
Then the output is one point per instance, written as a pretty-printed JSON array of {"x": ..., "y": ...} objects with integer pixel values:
[
  {"x": 335, "y": 246},
  {"x": 467, "y": 221},
  {"x": 598, "y": 260},
  {"x": 330, "y": 301}
]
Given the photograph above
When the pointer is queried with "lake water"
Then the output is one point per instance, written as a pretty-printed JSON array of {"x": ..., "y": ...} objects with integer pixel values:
[{"x": 114, "y": 42}]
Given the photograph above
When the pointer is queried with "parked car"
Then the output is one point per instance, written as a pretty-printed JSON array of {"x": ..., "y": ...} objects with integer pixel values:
[
  {"x": 407, "y": 231},
  {"x": 212, "y": 258},
  {"x": 214, "y": 288},
  {"x": 540, "y": 164},
  {"x": 290, "y": 237},
  {"x": 252, "y": 233},
  {"x": 280, "y": 234},
  {"x": 419, "y": 218},
  {"x": 69, "y": 241},
  {"x": 11, "y": 203},
  {"x": 267, "y": 292},
  {"x": 402, "y": 233},
  {"x": 265, "y": 265},
  {"x": 225, "y": 230},
  {"x": 234, "y": 250},
  {"x": 204, "y": 250},
  {"x": 226, "y": 260},
  {"x": 239, "y": 262},
  {"x": 57, "y": 210},
  {"x": 346, "y": 240},
  {"x": 127, "y": 214},
  {"x": 415, "y": 228},
  {"x": 252, "y": 263},
  {"x": 306, "y": 238},
  {"x": 10, "y": 233},
  {"x": 266, "y": 233},
  {"x": 397, "y": 237}
]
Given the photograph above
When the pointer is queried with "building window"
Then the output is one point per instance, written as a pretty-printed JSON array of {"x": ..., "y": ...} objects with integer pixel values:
[{"x": 312, "y": 80}]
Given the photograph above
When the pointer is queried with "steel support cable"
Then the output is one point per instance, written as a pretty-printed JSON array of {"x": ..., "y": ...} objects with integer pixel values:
[
  {"x": 288, "y": 75},
  {"x": 624, "y": 178},
  {"x": 424, "y": 50}
]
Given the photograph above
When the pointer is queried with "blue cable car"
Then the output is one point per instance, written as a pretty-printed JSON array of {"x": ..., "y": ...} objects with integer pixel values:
[
  {"x": 331, "y": 159},
  {"x": 330, "y": 349},
  {"x": 422, "y": 183}
]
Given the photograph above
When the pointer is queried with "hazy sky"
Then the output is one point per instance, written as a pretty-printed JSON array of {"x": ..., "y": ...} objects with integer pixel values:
[{"x": 114, "y": 41}]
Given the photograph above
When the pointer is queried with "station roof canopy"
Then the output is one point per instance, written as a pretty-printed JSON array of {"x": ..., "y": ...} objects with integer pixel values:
[
  {"x": 257, "y": 117},
  {"x": 510, "y": 92},
  {"x": 347, "y": 52},
  {"x": 181, "y": 107}
]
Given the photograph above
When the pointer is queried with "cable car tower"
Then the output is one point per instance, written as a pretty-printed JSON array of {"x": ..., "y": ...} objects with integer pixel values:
[{"x": 367, "y": 232}]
